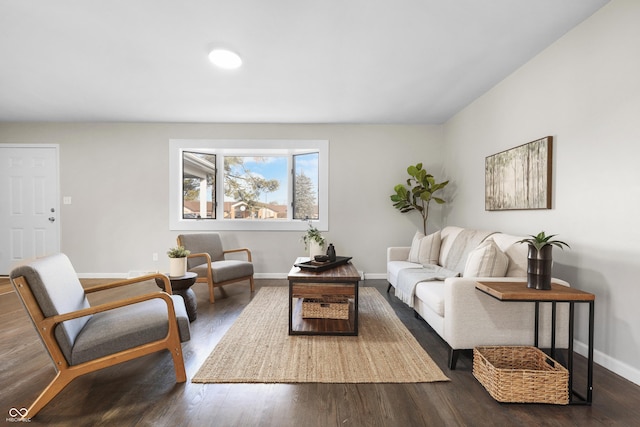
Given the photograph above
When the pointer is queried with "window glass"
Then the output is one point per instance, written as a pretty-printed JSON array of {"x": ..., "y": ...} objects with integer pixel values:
[
  {"x": 305, "y": 186},
  {"x": 255, "y": 187},
  {"x": 198, "y": 185}
]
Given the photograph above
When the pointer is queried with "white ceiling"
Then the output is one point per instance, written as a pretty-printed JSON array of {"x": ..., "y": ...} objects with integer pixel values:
[{"x": 305, "y": 61}]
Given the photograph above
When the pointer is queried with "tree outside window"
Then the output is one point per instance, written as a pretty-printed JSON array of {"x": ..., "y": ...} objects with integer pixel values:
[
  {"x": 305, "y": 184},
  {"x": 251, "y": 185}
]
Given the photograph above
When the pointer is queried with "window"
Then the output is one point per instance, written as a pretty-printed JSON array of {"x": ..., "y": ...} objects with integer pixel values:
[{"x": 248, "y": 184}]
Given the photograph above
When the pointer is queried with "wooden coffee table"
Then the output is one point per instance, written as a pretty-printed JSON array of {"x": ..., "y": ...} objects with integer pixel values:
[{"x": 340, "y": 281}]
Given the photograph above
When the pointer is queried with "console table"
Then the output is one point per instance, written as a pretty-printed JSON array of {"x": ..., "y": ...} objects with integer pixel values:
[{"x": 518, "y": 291}]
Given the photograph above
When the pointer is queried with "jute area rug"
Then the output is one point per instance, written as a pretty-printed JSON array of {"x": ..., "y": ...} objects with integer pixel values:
[{"x": 258, "y": 349}]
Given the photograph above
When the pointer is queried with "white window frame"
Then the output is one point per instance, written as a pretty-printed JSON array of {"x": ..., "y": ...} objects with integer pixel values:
[{"x": 253, "y": 147}]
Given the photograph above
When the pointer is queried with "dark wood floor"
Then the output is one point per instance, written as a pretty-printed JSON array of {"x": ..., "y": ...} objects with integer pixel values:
[{"x": 143, "y": 392}]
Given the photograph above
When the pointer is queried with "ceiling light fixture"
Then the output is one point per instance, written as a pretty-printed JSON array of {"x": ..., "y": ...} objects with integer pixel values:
[{"x": 224, "y": 58}]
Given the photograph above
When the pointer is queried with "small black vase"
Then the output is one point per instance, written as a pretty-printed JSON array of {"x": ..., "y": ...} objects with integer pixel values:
[
  {"x": 331, "y": 252},
  {"x": 539, "y": 267}
]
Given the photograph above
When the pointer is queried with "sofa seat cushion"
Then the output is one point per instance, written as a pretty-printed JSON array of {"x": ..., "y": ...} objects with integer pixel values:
[
  {"x": 431, "y": 293},
  {"x": 394, "y": 267}
]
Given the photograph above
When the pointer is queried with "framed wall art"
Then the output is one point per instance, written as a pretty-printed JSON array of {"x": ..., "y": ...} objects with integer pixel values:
[{"x": 519, "y": 178}]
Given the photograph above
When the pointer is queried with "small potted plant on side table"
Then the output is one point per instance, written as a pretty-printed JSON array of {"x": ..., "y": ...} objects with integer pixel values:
[
  {"x": 540, "y": 259},
  {"x": 178, "y": 261},
  {"x": 313, "y": 241}
]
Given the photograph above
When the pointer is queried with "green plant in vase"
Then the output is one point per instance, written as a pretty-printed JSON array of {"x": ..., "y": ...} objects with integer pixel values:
[
  {"x": 178, "y": 252},
  {"x": 178, "y": 261},
  {"x": 540, "y": 259},
  {"x": 313, "y": 241}
]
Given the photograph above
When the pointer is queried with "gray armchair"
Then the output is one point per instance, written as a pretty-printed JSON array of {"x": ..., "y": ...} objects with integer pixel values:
[
  {"x": 81, "y": 338},
  {"x": 208, "y": 261}
]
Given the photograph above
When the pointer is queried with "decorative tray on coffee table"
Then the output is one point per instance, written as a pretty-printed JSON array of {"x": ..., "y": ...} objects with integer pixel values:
[{"x": 322, "y": 266}]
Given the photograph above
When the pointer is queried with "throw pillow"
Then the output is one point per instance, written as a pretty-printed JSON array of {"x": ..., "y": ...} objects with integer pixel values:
[
  {"x": 425, "y": 249},
  {"x": 487, "y": 260}
]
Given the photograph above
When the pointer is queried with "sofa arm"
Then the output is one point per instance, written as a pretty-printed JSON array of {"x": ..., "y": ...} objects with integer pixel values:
[
  {"x": 398, "y": 253},
  {"x": 473, "y": 318}
]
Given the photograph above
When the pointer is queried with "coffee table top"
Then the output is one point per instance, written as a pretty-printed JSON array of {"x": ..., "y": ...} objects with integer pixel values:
[{"x": 344, "y": 272}]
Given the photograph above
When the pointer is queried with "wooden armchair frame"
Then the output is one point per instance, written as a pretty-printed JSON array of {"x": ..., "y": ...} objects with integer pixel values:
[
  {"x": 67, "y": 373},
  {"x": 209, "y": 278}
]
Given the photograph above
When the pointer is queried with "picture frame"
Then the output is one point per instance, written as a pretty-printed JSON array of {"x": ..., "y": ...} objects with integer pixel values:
[{"x": 520, "y": 177}]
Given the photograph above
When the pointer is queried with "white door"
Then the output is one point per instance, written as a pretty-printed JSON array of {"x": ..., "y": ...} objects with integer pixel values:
[{"x": 29, "y": 208}]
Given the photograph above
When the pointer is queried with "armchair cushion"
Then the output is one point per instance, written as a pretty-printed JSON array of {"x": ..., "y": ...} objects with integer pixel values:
[
  {"x": 57, "y": 290},
  {"x": 200, "y": 243},
  {"x": 225, "y": 270},
  {"x": 126, "y": 327}
]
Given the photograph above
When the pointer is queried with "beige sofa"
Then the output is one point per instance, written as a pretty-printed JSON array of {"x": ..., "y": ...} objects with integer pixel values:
[{"x": 449, "y": 302}]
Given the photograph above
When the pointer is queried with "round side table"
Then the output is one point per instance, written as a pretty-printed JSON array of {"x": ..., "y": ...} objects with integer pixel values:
[{"x": 181, "y": 285}]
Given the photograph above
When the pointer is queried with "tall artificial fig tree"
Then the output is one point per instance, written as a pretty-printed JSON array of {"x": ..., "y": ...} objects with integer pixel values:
[{"x": 417, "y": 193}]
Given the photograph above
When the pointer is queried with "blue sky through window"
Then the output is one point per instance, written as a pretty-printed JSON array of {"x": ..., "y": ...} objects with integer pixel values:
[{"x": 276, "y": 168}]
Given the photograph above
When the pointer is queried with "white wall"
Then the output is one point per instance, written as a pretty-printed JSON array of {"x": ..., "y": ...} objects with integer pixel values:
[
  {"x": 118, "y": 174},
  {"x": 584, "y": 90}
]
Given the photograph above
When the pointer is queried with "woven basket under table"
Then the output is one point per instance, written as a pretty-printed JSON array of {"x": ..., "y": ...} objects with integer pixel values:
[
  {"x": 325, "y": 308},
  {"x": 521, "y": 374}
]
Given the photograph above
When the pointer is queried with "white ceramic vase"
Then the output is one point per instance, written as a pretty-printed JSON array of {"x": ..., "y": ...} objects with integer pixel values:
[
  {"x": 315, "y": 248},
  {"x": 177, "y": 267}
]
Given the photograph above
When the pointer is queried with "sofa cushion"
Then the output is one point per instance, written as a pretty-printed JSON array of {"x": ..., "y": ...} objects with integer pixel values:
[
  {"x": 425, "y": 249},
  {"x": 448, "y": 236},
  {"x": 457, "y": 245},
  {"x": 487, "y": 260},
  {"x": 432, "y": 295},
  {"x": 516, "y": 252},
  {"x": 394, "y": 267}
]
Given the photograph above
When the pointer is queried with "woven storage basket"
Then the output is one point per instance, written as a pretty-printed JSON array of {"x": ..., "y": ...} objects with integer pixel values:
[
  {"x": 325, "y": 308},
  {"x": 521, "y": 374}
]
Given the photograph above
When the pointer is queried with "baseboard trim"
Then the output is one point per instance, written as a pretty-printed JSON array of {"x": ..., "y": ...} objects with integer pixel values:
[
  {"x": 628, "y": 372},
  {"x": 375, "y": 276},
  {"x": 132, "y": 274}
]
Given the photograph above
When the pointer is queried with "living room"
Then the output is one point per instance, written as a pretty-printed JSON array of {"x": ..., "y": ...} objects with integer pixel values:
[{"x": 582, "y": 89}]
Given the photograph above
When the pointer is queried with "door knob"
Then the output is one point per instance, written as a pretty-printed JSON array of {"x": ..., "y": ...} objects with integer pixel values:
[{"x": 51, "y": 219}]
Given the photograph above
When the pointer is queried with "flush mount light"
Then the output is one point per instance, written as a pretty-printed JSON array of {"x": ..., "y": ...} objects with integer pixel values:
[{"x": 224, "y": 58}]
